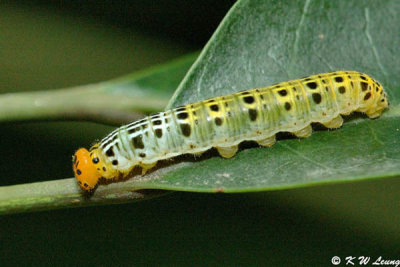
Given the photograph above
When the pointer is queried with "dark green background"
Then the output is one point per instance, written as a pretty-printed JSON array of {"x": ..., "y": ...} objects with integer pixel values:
[{"x": 46, "y": 46}]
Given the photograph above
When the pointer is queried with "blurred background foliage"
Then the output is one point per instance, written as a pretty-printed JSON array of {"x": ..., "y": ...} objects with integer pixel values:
[{"x": 48, "y": 45}]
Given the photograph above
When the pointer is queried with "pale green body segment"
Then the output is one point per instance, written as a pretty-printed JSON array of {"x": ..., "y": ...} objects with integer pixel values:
[{"x": 223, "y": 122}]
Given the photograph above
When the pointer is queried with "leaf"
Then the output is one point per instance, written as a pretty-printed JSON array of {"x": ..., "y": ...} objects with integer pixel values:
[{"x": 264, "y": 42}]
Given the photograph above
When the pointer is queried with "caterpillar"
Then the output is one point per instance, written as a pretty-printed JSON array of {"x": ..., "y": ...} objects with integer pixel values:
[{"x": 225, "y": 121}]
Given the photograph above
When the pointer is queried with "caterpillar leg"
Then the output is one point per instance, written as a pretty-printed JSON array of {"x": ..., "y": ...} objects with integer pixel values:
[
  {"x": 303, "y": 133},
  {"x": 146, "y": 167},
  {"x": 227, "y": 152},
  {"x": 335, "y": 123},
  {"x": 374, "y": 115},
  {"x": 269, "y": 141}
]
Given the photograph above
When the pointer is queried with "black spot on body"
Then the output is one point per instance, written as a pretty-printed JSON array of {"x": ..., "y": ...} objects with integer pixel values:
[
  {"x": 183, "y": 115},
  {"x": 287, "y": 106},
  {"x": 138, "y": 141},
  {"x": 339, "y": 79},
  {"x": 363, "y": 78},
  {"x": 114, "y": 162},
  {"x": 157, "y": 122},
  {"x": 214, "y": 107},
  {"x": 104, "y": 169},
  {"x": 78, "y": 171},
  {"x": 110, "y": 152},
  {"x": 312, "y": 85},
  {"x": 342, "y": 89},
  {"x": 282, "y": 92},
  {"x": 367, "y": 96},
  {"x": 158, "y": 133},
  {"x": 142, "y": 155},
  {"x": 85, "y": 185},
  {"x": 186, "y": 130},
  {"x": 95, "y": 160},
  {"x": 364, "y": 86},
  {"x": 248, "y": 99},
  {"x": 218, "y": 121},
  {"x": 352, "y": 84},
  {"x": 253, "y": 114},
  {"x": 317, "y": 98},
  {"x": 132, "y": 130}
]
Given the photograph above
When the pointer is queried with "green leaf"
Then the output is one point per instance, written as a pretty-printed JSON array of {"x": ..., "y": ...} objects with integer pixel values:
[{"x": 264, "y": 42}]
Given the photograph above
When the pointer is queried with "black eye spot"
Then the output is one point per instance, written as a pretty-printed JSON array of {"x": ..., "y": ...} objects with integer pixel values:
[
  {"x": 157, "y": 122},
  {"x": 214, "y": 107},
  {"x": 138, "y": 141},
  {"x": 114, "y": 162},
  {"x": 218, "y": 121},
  {"x": 183, "y": 115},
  {"x": 312, "y": 85},
  {"x": 186, "y": 130},
  {"x": 367, "y": 96},
  {"x": 317, "y": 98},
  {"x": 85, "y": 185},
  {"x": 364, "y": 86},
  {"x": 383, "y": 100},
  {"x": 339, "y": 79},
  {"x": 95, "y": 160},
  {"x": 78, "y": 171},
  {"x": 287, "y": 106},
  {"x": 158, "y": 133},
  {"x": 248, "y": 99},
  {"x": 110, "y": 152},
  {"x": 253, "y": 114},
  {"x": 342, "y": 89},
  {"x": 282, "y": 92}
]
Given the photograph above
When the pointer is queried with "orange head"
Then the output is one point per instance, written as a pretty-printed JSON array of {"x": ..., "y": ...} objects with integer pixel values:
[{"x": 85, "y": 170}]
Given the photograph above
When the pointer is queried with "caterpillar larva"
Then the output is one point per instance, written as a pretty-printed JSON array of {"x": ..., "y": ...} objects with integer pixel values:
[{"x": 223, "y": 122}]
